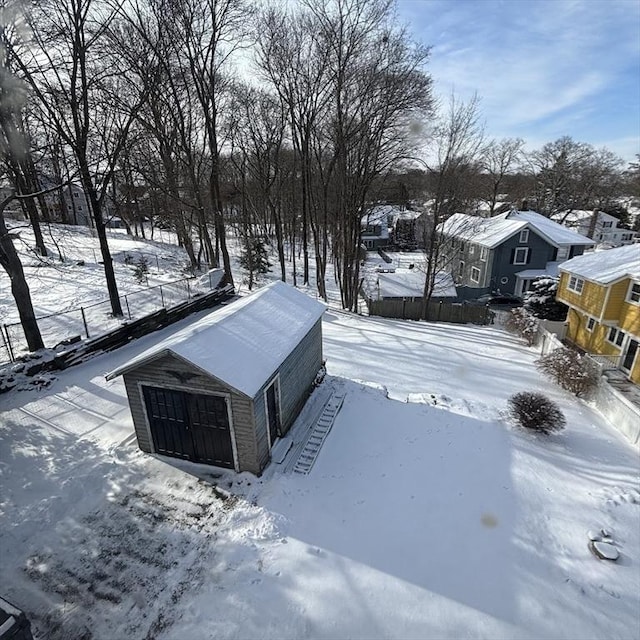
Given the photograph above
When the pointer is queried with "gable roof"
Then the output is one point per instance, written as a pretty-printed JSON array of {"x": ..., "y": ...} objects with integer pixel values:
[
  {"x": 491, "y": 232},
  {"x": 607, "y": 266},
  {"x": 244, "y": 343}
]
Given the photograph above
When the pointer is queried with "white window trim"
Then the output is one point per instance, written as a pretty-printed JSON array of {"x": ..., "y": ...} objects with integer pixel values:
[
  {"x": 614, "y": 341},
  {"x": 524, "y": 236},
  {"x": 576, "y": 288},
  {"x": 630, "y": 291},
  {"x": 526, "y": 255},
  {"x": 476, "y": 280},
  {"x": 484, "y": 254},
  {"x": 591, "y": 319}
]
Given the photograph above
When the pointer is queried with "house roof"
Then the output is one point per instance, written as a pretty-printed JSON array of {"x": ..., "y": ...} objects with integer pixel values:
[
  {"x": 491, "y": 232},
  {"x": 407, "y": 283},
  {"x": 245, "y": 342},
  {"x": 578, "y": 217},
  {"x": 606, "y": 266}
]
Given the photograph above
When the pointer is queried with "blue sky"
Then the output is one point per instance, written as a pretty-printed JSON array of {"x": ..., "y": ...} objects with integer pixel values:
[{"x": 542, "y": 68}]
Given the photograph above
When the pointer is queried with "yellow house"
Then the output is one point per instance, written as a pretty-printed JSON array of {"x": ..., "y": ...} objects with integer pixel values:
[{"x": 602, "y": 291}]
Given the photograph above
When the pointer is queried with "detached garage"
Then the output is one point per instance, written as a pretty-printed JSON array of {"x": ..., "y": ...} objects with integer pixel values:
[{"x": 222, "y": 390}]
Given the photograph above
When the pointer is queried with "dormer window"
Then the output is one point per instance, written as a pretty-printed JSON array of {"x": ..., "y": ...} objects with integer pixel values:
[
  {"x": 634, "y": 293},
  {"x": 524, "y": 236}
]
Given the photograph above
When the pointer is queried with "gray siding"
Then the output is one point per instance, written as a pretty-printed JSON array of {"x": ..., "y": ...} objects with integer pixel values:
[
  {"x": 540, "y": 252},
  {"x": 155, "y": 374},
  {"x": 499, "y": 266},
  {"x": 296, "y": 375}
]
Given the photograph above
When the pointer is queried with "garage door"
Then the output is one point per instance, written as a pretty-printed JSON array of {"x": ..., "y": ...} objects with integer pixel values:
[{"x": 189, "y": 426}]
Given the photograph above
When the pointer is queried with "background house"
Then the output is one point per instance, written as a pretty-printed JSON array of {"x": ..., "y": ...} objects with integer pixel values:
[
  {"x": 224, "y": 389},
  {"x": 505, "y": 253},
  {"x": 597, "y": 225},
  {"x": 602, "y": 290},
  {"x": 375, "y": 226}
]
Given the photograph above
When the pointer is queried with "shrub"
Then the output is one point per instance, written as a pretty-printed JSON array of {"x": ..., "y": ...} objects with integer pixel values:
[
  {"x": 523, "y": 324},
  {"x": 570, "y": 369},
  {"x": 536, "y": 412},
  {"x": 540, "y": 300}
]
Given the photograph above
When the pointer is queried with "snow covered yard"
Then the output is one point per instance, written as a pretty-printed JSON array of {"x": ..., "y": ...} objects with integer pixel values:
[{"x": 425, "y": 515}]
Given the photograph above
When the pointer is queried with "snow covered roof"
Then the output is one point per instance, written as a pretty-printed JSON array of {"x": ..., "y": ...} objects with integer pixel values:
[
  {"x": 408, "y": 215},
  {"x": 577, "y": 217},
  {"x": 244, "y": 343},
  {"x": 606, "y": 266},
  {"x": 550, "y": 270},
  {"x": 491, "y": 232},
  {"x": 408, "y": 283}
]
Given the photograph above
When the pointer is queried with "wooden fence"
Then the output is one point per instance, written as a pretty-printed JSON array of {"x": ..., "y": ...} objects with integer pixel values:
[{"x": 437, "y": 311}]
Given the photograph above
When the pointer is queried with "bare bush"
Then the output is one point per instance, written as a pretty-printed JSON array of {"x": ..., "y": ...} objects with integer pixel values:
[
  {"x": 523, "y": 324},
  {"x": 536, "y": 412},
  {"x": 571, "y": 370}
]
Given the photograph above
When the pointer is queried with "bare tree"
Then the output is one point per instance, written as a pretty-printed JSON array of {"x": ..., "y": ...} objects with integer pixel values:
[
  {"x": 499, "y": 159},
  {"x": 572, "y": 175},
  {"x": 86, "y": 96},
  {"x": 378, "y": 90},
  {"x": 458, "y": 139},
  {"x": 291, "y": 58},
  {"x": 12, "y": 153}
]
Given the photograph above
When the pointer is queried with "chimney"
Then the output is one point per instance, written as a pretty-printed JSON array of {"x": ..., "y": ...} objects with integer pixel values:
[{"x": 525, "y": 205}]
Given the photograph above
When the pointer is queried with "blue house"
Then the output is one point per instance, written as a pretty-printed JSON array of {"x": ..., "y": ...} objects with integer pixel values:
[{"x": 505, "y": 253}]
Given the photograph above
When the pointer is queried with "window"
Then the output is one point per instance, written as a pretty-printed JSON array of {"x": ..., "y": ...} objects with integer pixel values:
[
  {"x": 591, "y": 323},
  {"x": 461, "y": 246},
  {"x": 575, "y": 284},
  {"x": 615, "y": 336},
  {"x": 634, "y": 293},
  {"x": 521, "y": 255},
  {"x": 524, "y": 236},
  {"x": 484, "y": 252},
  {"x": 461, "y": 268},
  {"x": 76, "y": 194},
  {"x": 475, "y": 274},
  {"x": 626, "y": 237},
  {"x": 607, "y": 225},
  {"x": 563, "y": 253},
  {"x": 472, "y": 249}
]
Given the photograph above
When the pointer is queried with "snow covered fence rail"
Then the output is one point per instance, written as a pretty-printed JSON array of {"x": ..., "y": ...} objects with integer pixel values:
[
  {"x": 77, "y": 352},
  {"x": 94, "y": 319}
]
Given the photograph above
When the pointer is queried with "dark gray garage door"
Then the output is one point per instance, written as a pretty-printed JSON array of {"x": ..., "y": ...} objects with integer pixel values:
[{"x": 190, "y": 426}]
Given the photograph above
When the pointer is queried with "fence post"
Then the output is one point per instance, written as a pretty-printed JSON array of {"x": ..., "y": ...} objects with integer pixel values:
[
  {"x": 84, "y": 320},
  {"x": 188, "y": 291},
  {"x": 7, "y": 343},
  {"x": 128, "y": 310},
  {"x": 161, "y": 296},
  {"x": 439, "y": 310}
]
